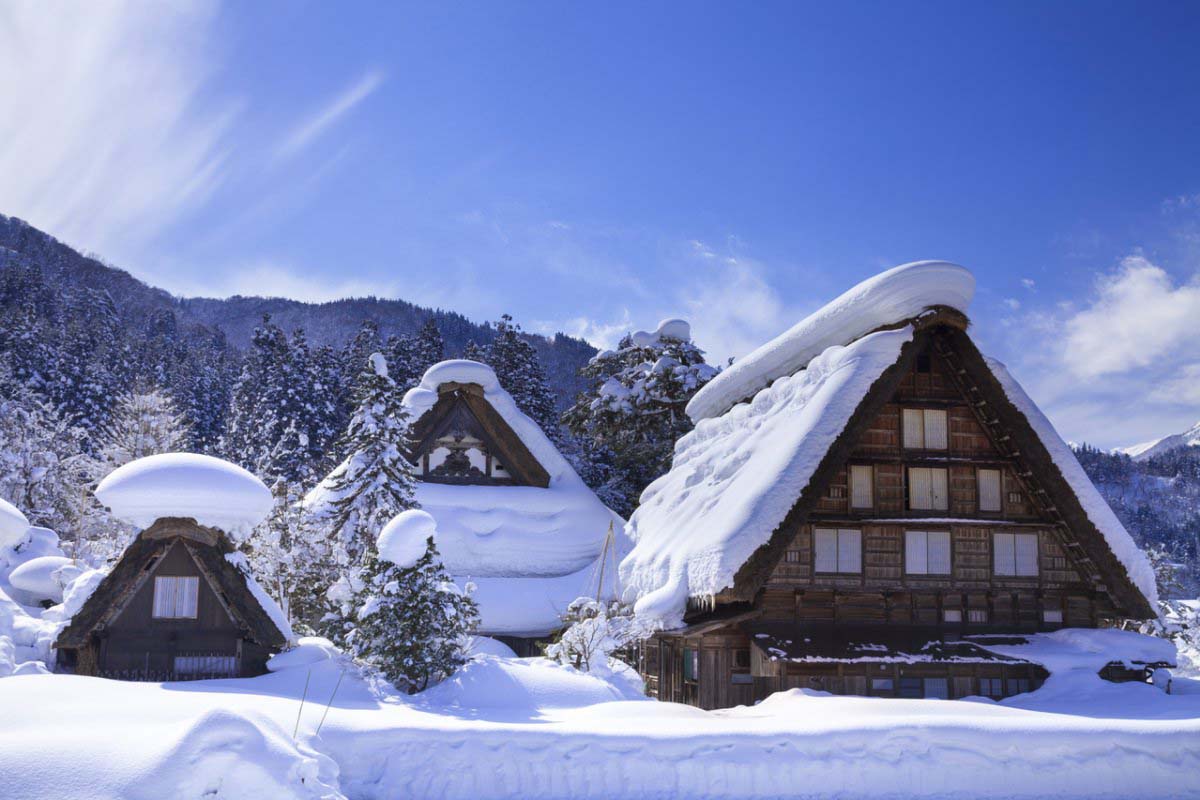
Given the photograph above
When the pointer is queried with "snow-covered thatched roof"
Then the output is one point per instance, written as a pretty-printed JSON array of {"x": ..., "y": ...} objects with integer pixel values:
[
  {"x": 767, "y": 424},
  {"x": 530, "y": 549},
  {"x": 215, "y": 493},
  {"x": 898, "y": 294}
]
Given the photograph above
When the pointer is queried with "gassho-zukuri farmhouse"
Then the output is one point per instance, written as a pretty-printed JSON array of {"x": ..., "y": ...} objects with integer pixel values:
[{"x": 870, "y": 506}]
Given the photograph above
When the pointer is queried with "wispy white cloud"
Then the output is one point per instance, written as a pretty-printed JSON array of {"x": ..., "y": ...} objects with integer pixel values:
[
  {"x": 1138, "y": 318},
  {"x": 308, "y": 131},
  {"x": 1119, "y": 364},
  {"x": 106, "y": 134},
  {"x": 271, "y": 279}
]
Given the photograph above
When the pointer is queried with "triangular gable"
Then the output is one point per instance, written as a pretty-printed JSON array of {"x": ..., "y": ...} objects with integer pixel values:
[
  {"x": 137, "y": 564},
  {"x": 1008, "y": 429},
  {"x": 464, "y": 403}
]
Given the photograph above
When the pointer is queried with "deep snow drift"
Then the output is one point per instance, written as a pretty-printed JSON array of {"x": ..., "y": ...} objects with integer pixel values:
[{"x": 530, "y": 728}]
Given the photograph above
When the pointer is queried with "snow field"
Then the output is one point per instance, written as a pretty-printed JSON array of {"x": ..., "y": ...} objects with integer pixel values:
[{"x": 526, "y": 727}]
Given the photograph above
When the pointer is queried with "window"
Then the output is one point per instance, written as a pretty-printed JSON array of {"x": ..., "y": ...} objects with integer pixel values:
[
  {"x": 937, "y": 687},
  {"x": 837, "y": 492},
  {"x": 792, "y": 557},
  {"x": 202, "y": 666},
  {"x": 1018, "y": 685},
  {"x": 927, "y": 489},
  {"x": 862, "y": 486},
  {"x": 176, "y": 597},
  {"x": 977, "y": 615},
  {"x": 952, "y": 615},
  {"x": 991, "y": 687},
  {"x": 691, "y": 664},
  {"x": 881, "y": 685},
  {"x": 911, "y": 687},
  {"x": 1016, "y": 554},
  {"x": 741, "y": 678},
  {"x": 989, "y": 490},
  {"x": 1052, "y": 615},
  {"x": 927, "y": 552},
  {"x": 925, "y": 429},
  {"x": 838, "y": 550},
  {"x": 741, "y": 658}
]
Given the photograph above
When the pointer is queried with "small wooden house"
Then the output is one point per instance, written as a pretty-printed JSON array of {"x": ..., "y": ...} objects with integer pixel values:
[
  {"x": 513, "y": 518},
  {"x": 173, "y": 608},
  {"x": 867, "y": 505},
  {"x": 180, "y": 603}
]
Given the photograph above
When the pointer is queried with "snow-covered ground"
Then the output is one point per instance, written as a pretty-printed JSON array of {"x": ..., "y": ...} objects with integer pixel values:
[{"x": 530, "y": 728}]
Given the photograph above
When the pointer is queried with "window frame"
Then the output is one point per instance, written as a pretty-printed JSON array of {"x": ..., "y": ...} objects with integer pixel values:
[
  {"x": 852, "y": 483},
  {"x": 999, "y": 490},
  {"x": 1016, "y": 573},
  {"x": 908, "y": 488},
  {"x": 177, "y": 599},
  {"x": 837, "y": 554},
  {"x": 928, "y": 572},
  {"x": 924, "y": 413}
]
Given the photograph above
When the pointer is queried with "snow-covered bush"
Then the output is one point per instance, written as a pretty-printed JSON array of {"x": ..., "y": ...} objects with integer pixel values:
[{"x": 595, "y": 630}]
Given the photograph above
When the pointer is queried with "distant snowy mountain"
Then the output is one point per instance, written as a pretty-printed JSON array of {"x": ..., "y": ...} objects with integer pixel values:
[{"x": 1147, "y": 450}]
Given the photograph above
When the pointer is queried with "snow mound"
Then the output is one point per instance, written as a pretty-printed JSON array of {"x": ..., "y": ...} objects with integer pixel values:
[
  {"x": 1089, "y": 649},
  {"x": 899, "y": 294},
  {"x": 41, "y": 578},
  {"x": 525, "y": 684},
  {"x": 13, "y": 525},
  {"x": 734, "y": 478},
  {"x": 487, "y": 646},
  {"x": 402, "y": 541},
  {"x": 679, "y": 329},
  {"x": 1094, "y": 505},
  {"x": 215, "y": 493},
  {"x": 308, "y": 651},
  {"x": 379, "y": 364}
]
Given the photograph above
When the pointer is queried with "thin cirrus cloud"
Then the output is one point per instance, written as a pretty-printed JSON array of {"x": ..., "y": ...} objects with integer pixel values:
[
  {"x": 107, "y": 137},
  {"x": 311, "y": 129}
]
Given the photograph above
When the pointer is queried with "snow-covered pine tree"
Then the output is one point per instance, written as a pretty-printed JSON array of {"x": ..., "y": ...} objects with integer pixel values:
[
  {"x": 521, "y": 375},
  {"x": 144, "y": 422},
  {"x": 473, "y": 351},
  {"x": 375, "y": 481},
  {"x": 410, "y": 356},
  {"x": 635, "y": 406},
  {"x": 292, "y": 560},
  {"x": 412, "y": 623}
]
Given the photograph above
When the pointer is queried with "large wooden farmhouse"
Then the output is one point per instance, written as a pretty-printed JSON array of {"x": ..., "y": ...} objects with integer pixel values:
[
  {"x": 866, "y": 504},
  {"x": 513, "y": 518},
  {"x": 180, "y": 603}
]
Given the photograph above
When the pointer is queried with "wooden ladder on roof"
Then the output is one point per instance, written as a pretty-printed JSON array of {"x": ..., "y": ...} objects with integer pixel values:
[{"x": 1024, "y": 475}]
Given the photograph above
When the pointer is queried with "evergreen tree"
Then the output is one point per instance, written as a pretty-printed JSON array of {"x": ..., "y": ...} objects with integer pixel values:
[
  {"x": 475, "y": 352},
  {"x": 143, "y": 423},
  {"x": 412, "y": 623},
  {"x": 375, "y": 481},
  {"x": 410, "y": 356},
  {"x": 635, "y": 407},
  {"x": 521, "y": 375}
]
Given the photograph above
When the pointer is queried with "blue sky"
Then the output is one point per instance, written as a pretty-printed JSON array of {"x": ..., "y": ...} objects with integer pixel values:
[{"x": 593, "y": 168}]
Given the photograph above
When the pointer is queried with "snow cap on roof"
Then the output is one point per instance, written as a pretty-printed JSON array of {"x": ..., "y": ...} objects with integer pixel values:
[
  {"x": 403, "y": 540},
  {"x": 215, "y": 493},
  {"x": 899, "y": 294},
  {"x": 13, "y": 525},
  {"x": 667, "y": 329}
]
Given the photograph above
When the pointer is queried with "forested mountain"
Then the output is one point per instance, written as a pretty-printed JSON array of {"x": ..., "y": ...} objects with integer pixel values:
[
  {"x": 1158, "y": 499},
  {"x": 233, "y": 320}
]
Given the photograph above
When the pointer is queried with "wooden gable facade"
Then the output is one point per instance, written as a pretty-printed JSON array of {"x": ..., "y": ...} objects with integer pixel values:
[
  {"x": 463, "y": 440},
  {"x": 172, "y": 608},
  {"x": 937, "y": 521}
]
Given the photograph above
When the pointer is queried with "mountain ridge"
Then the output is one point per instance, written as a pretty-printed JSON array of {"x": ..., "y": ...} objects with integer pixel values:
[
  {"x": 234, "y": 318},
  {"x": 1165, "y": 444}
]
